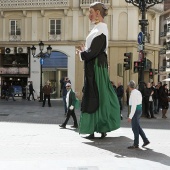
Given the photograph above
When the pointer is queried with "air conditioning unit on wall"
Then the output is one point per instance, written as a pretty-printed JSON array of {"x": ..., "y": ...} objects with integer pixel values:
[
  {"x": 21, "y": 49},
  {"x": 9, "y": 50}
]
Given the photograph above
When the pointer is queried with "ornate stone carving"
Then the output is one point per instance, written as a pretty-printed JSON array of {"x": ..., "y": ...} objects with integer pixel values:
[
  {"x": 42, "y": 13},
  {"x": 2, "y": 14},
  {"x": 16, "y": 4},
  {"x": 24, "y": 13}
]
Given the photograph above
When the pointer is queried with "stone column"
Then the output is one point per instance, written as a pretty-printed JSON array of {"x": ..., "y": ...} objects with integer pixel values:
[
  {"x": 34, "y": 26},
  {"x": 75, "y": 24},
  {"x": 157, "y": 28}
]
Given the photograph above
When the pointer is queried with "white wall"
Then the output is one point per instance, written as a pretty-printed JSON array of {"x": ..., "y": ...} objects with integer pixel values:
[{"x": 35, "y": 65}]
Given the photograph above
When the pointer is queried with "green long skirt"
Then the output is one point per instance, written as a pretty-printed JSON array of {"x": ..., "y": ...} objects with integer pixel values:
[{"x": 107, "y": 117}]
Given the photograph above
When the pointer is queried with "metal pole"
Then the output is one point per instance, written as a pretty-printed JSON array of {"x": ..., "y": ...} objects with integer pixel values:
[
  {"x": 41, "y": 93},
  {"x": 143, "y": 25},
  {"x": 143, "y": 30}
]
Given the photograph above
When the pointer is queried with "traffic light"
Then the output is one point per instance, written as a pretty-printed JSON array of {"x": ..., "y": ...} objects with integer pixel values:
[
  {"x": 143, "y": 63},
  {"x": 128, "y": 61},
  {"x": 136, "y": 66},
  {"x": 151, "y": 73},
  {"x": 141, "y": 56}
]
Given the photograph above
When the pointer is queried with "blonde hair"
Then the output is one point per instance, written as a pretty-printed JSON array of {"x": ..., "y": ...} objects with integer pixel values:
[{"x": 101, "y": 7}]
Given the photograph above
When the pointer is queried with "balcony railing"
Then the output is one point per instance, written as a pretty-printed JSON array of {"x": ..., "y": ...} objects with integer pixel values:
[
  {"x": 14, "y": 37},
  {"x": 4, "y": 4},
  {"x": 86, "y": 3},
  {"x": 54, "y": 37}
]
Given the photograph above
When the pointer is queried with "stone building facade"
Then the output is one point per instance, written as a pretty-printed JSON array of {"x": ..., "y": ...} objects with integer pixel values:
[
  {"x": 164, "y": 60},
  {"x": 64, "y": 24}
]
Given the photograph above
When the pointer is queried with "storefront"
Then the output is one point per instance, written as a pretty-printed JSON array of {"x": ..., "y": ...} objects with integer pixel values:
[{"x": 14, "y": 69}]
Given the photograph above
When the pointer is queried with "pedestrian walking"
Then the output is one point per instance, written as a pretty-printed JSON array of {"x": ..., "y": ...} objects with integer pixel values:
[
  {"x": 155, "y": 97},
  {"x": 10, "y": 92},
  {"x": 127, "y": 96},
  {"x": 135, "y": 103},
  {"x": 160, "y": 89},
  {"x": 100, "y": 111},
  {"x": 4, "y": 90},
  {"x": 120, "y": 92},
  {"x": 31, "y": 91},
  {"x": 47, "y": 90},
  {"x": 70, "y": 102},
  {"x": 164, "y": 101},
  {"x": 63, "y": 82}
]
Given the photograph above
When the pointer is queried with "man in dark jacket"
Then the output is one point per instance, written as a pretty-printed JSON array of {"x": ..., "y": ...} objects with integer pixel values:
[
  {"x": 70, "y": 101},
  {"x": 63, "y": 82},
  {"x": 120, "y": 92},
  {"x": 155, "y": 97},
  {"x": 160, "y": 90},
  {"x": 47, "y": 90},
  {"x": 148, "y": 95}
]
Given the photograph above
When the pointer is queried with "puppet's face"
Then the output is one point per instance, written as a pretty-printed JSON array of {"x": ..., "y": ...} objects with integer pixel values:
[{"x": 92, "y": 15}]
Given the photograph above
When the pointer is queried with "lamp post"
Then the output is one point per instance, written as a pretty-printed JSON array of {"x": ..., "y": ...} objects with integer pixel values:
[
  {"x": 41, "y": 56},
  {"x": 143, "y": 5}
]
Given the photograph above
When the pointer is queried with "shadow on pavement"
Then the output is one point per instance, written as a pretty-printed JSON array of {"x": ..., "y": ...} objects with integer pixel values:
[
  {"x": 118, "y": 145},
  {"x": 23, "y": 111}
]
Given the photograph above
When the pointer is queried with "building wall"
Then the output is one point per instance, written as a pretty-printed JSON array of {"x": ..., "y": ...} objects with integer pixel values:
[{"x": 123, "y": 29}]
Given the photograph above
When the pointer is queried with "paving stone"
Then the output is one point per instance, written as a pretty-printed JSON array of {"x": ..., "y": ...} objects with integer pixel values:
[{"x": 30, "y": 139}]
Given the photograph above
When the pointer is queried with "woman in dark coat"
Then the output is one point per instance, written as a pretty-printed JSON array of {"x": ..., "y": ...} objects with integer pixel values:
[{"x": 164, "y": 101}]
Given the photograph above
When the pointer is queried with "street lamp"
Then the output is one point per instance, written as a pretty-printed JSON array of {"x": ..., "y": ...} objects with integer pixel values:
[
  {"x": 143, "y": 5},
  {"x": 41, "y": 56}
]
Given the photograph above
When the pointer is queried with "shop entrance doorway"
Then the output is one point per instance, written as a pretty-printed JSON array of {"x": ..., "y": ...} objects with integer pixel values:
[{"x": 54, "y": 69}]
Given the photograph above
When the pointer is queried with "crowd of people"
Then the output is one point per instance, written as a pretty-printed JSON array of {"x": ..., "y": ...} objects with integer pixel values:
[
  {"x": 155, "y": 98},
  {"x": 8, "y": 90}
]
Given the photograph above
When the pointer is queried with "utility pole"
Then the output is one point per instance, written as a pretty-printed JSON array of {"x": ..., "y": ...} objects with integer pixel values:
[{"x": 143, "y": 6}]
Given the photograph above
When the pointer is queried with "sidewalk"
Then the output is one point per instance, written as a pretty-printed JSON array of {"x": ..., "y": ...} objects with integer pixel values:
[{"x": 30, "y": 139}]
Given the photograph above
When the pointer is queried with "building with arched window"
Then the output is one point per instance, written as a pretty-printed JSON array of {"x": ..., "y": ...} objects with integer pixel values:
[{"x": 64, "y": 25}]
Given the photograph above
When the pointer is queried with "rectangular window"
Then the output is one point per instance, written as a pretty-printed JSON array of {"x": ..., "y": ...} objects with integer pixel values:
[
  {"x": 55, "y": 26},
  {"x": 15, "y": 27}
]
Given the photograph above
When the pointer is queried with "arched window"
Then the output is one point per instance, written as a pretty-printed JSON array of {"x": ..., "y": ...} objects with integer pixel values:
[{"x": 57, "y": 60}]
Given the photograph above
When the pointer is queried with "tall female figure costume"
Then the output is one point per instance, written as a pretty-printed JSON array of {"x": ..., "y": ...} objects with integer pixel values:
[{"x": 100, "y": 106}]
